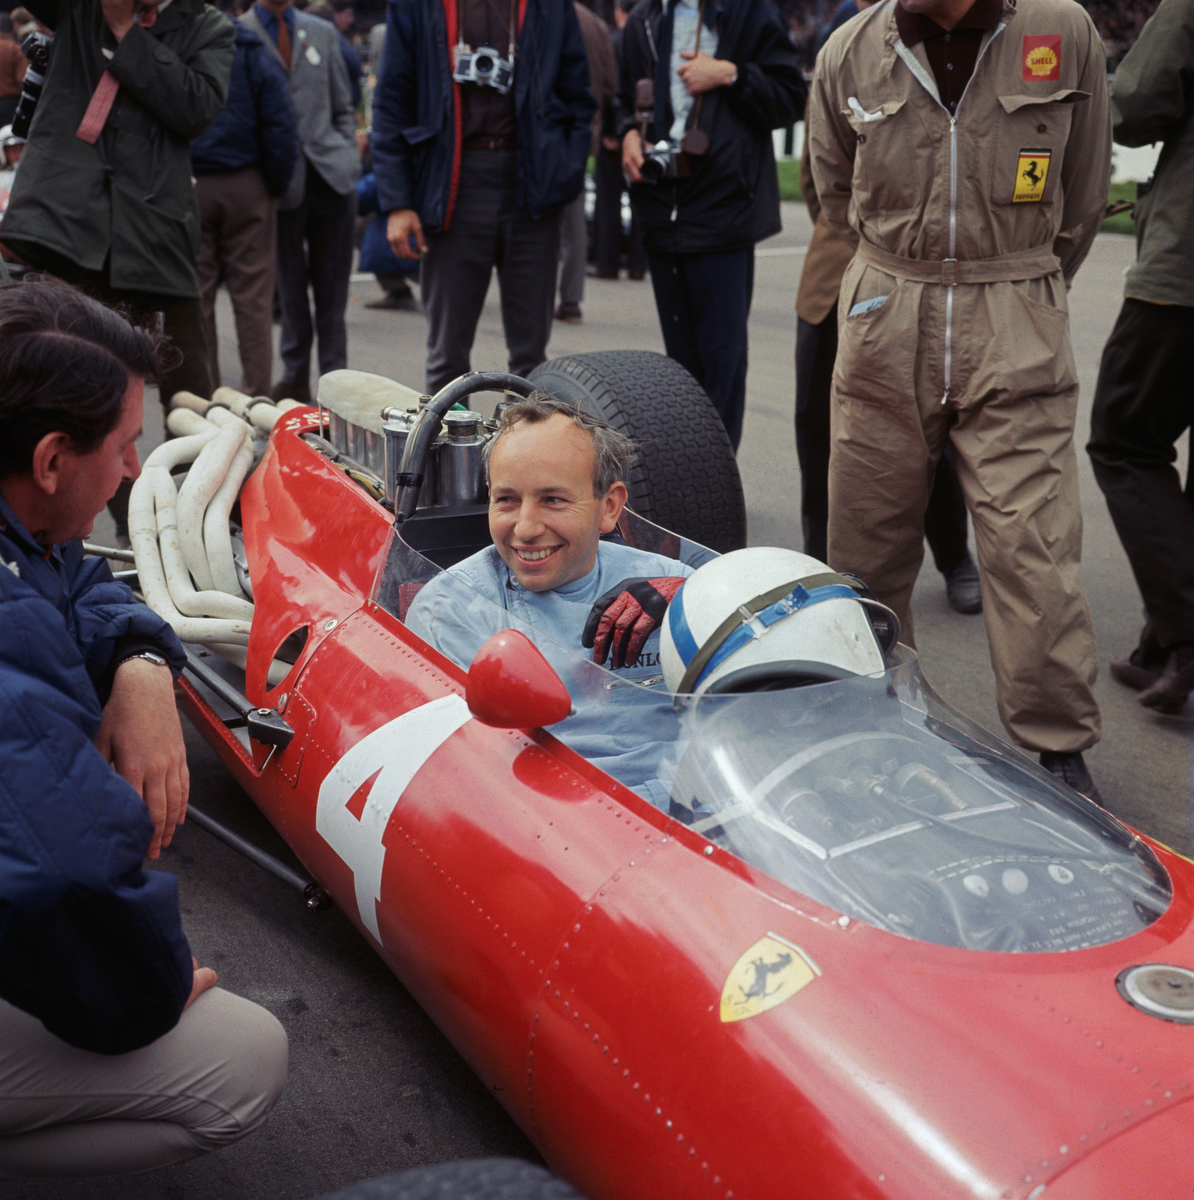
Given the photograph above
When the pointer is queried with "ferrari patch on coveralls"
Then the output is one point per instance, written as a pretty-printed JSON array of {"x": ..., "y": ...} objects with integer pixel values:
[
  {"x": 766, "y": 975},
  {"x": 1042, "y": 58},
  {"x": 1031, "y": 174}
]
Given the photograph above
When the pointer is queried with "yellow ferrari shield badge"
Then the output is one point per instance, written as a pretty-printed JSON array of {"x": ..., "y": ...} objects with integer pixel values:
[
  {"x": 766, "y": 975},
  {"x": 1031, "y": 174}
]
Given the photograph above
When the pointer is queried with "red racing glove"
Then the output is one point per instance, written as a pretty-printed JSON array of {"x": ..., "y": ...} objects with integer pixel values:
[{"x": 622, "y": 620}]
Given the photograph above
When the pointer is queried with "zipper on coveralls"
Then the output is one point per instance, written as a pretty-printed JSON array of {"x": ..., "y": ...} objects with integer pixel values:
[
  {"x": 953, "y": 247},
  {"x": 953, "y": 216},
  {"x": 921, "y": 75}
]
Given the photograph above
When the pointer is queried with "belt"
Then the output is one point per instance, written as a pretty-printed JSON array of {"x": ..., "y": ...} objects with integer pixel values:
[
  {"x": 488, "y": 143},
  {"x": 949, "y": 272}
]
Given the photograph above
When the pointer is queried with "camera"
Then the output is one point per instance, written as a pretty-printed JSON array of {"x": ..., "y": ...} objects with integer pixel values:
[
  {"x": 36, "y": 48},
  {"x": 486, "y": 68},
  {"x": 664, "y": 161}
]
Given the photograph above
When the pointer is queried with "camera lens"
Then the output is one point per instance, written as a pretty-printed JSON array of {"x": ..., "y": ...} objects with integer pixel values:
[
  {"x": 651, "y": 170},
  {"x": 484, "y": 64}
]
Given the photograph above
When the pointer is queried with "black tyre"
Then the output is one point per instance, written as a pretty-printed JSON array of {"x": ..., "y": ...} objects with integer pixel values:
[
  {"x": 686, "y": 478},
  {"x": 475, "y": 1179}
]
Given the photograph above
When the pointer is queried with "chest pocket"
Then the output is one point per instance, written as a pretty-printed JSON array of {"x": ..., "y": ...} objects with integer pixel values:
[
  {"x": 886, "y": 165},
  {"x": 1031, "y": 135}
]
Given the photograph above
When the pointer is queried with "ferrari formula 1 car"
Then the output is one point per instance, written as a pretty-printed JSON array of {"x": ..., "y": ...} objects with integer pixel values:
[{"x": 867, "y": 951}]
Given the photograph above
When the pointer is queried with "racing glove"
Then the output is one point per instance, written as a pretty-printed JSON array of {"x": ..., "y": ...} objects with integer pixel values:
[{"x": 622, "y": 620}]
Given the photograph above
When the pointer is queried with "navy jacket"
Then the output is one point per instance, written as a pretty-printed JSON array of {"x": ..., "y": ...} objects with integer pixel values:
[
  {"x": 258, "y": 127},
  {"x": 376, "y": 255},
  {"x": 90, "y": 942},
  {"x": 416, "y": 142},
  {"x": 731, "y": 200}
]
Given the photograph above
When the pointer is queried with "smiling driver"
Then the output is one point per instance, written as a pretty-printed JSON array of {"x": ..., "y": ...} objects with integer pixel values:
[{"x": 557, "y": 483}]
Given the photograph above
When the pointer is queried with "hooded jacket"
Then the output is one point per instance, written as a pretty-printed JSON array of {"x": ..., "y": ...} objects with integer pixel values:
[
  {"x": 128, "y": 199},
  {"x": 731, "y": 200},
  {"x": 90, "y": 942},
  {"x": 416, "y": 110}
]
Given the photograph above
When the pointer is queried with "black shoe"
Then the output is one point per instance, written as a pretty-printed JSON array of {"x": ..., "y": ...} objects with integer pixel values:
[
  {"x": 290, "y": 391},
  {"x": 1070, "y": 769},
  {"x": 401, "y": 300},
  {"x": 569, "y": 313},
  {"x": 962, "y": 587}
]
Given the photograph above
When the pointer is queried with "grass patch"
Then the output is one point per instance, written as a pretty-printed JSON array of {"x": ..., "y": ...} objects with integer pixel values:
[
  {"x": 789, "y": 179},
  {"x": 1121, "y": 222},
  {"x": 789, "y": 189}
]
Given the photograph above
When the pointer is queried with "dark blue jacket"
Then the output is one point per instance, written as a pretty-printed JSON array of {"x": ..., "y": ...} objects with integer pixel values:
[
  {"x": 90, "y": 943},
  {"x": 416, "y": 142},
  {"x": 259, "y": 126},
  {"x": 376, "y": 255}
]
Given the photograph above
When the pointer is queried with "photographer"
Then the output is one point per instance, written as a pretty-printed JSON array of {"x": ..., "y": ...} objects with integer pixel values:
[
  {"x": 712, "y": 79},
  {"x": 104, "y": 197},
  {"x": 475, "y": 152}
]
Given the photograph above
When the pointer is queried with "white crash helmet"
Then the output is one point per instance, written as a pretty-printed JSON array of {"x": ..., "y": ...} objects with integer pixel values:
[{"x": 765, "y": 617}]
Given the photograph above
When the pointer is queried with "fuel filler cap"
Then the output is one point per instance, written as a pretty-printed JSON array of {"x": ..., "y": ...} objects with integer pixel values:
[{"x": 1159, "y": 990}]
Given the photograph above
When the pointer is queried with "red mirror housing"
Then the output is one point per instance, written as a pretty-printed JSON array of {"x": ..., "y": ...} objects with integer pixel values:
[{"x": 512, "y": 686}]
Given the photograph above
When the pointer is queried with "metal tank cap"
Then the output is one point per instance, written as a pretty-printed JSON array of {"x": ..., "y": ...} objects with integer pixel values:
[
  {"x": 1160, "y": 990},
  {"x": 462, "y": 425}
]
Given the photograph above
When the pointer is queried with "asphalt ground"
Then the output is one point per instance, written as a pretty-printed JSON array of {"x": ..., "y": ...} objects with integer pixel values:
[{"x": 373, "y": 1087}]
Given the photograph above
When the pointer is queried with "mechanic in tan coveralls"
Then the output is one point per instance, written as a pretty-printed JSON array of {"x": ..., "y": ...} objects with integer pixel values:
[{"x": 964, "y": 146}]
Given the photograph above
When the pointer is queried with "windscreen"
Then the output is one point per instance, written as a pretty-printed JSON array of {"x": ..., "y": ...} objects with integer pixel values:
[
  {"x": 869, "y": 795},
  {"x": 872, "y": 796}
]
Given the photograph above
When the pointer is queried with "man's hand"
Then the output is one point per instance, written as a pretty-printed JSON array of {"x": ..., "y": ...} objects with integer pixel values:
[
  {"x": 204, "y": 978},
  {"x": 401, "y": 225},
  {"x": 632, "y": 156},
  {"x": 703, "y": 73},
  {"x": 622, "y": 620},
  {"x": 119, "y": 16},
  {"x": 141, "y": 737}
]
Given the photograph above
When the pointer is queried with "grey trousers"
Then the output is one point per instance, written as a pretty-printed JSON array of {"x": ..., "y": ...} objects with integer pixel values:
[
  {"x": 70, "y": 1113},
  {"x": 488, "y": 231},
  {"x": 574, "y": 251}
]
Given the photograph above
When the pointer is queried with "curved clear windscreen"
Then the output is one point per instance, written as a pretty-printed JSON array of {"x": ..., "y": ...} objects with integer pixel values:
[{"x": 869, "y": 795}]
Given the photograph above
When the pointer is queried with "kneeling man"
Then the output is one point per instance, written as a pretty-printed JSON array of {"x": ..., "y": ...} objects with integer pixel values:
[
  {"x": 557, "y": 483},
  {"x": 117, "y": 1053}
]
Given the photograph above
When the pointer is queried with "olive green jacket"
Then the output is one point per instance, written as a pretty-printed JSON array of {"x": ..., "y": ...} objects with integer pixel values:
[
  {"x": 1152, "y": 100},
  {"x": 127, "y": 201}
]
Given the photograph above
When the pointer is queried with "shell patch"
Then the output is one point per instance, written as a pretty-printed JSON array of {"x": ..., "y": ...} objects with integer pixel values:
[{"x": 1042, "y": 58}]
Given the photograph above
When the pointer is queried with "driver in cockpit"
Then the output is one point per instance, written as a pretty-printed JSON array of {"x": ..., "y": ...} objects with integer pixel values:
[{"x": 556, "y": 480}]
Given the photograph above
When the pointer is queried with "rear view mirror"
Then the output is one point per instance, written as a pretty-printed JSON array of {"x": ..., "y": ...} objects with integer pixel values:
[{"x": 512, "y": 686}]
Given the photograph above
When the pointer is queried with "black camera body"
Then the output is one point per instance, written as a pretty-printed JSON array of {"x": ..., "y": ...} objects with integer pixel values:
[
  {"x": 484, "y": 67},
  {"x": 36, "y": 48}
]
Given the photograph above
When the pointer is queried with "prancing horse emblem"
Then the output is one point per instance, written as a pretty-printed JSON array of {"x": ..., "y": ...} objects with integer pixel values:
[{"x": 766, "y": 975}]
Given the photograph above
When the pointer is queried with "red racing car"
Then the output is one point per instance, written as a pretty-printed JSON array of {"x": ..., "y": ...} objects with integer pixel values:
[{"x": 869, "y": 950}]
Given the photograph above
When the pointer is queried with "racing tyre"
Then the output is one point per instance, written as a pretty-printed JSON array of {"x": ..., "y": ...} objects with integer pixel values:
[
  {"x": 686, "y": 478},
  {"x": 475, "y": 1179}
]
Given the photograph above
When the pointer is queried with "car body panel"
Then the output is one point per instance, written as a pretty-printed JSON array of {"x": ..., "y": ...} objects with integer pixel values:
[{"x": 576, "y": 945}]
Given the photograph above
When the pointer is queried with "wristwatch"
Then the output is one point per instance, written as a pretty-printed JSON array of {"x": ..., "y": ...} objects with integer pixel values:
[{"x": 150, "y": 656}]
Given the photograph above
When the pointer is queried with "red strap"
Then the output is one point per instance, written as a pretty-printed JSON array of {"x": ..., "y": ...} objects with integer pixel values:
[
  {"x": 104, "y": 96},
  {"x": 97, "y": 112}
]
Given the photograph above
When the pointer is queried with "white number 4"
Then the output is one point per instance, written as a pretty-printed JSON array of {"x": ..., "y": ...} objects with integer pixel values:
[{"x": 397, "y": 750}]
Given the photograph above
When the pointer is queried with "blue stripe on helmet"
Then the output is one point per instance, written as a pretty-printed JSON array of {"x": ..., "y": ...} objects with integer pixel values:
[
  {"x": 798, "y": 598},
  {"x": 677, "y": 625}
]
